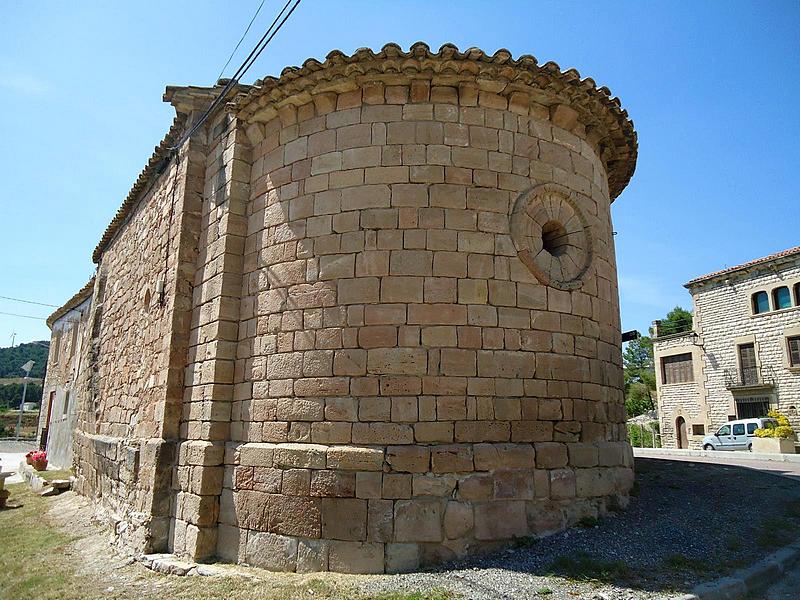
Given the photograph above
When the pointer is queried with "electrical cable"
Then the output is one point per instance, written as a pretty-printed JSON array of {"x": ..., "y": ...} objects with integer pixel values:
[
  {"x": 248, "y": 62},
  {"x": 241, "y": 39},
  {"x": 28, "y": 301},
  {"x": 23, "y": 316}
]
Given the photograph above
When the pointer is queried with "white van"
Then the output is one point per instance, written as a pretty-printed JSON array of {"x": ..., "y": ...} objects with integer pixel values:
[{"x": 737, "y": 435}]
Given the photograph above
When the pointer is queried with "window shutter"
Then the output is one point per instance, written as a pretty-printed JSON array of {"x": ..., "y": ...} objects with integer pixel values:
[{"x": 794, "y": 351}]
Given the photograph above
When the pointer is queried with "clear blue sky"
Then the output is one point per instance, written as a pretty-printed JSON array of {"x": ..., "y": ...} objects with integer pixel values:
[{"x": 712, "y": 88}]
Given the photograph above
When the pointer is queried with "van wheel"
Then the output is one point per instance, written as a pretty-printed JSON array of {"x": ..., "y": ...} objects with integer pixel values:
[{"x": 708, "y": 447}]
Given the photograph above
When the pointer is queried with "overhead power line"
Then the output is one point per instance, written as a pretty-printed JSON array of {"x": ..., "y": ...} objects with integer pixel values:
[
  {"x": 241, "y": 39},
  {"x": 240, "y": 72},
  {"x": 28, "y": 301},
  {"x": 23, "y": 316}
]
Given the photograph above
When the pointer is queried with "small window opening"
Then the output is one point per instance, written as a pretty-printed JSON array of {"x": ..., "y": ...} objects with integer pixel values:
[
  {"x": 760, "y": 302},
  {"x": 698, "y": 429},
  {"x": 65, "y": 408},
  {"x": 147, "y": 299},
  {"x": 781, "y": 298},
  {"x": 555, "y": 238},
  {"x": 793, "y": 346}
]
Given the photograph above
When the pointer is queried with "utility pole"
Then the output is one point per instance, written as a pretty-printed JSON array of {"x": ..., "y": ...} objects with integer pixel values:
[
  {"x": 27, "y": 368},
  {"x": 13, "y": 335}
]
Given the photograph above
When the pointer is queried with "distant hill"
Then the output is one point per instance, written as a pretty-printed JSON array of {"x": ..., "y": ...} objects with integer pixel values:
[{"x": 11, "y": 359}]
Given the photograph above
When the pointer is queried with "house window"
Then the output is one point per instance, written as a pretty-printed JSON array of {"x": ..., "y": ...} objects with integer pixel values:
[
  {"x": 760, "y": 302},
  {"x": 797, "y": 294},
  {"x": 752, "y": 407},
  {"x": 65, "y": 408},
  {"x": 793, "y": 345},
  {"x": 781, "y": 298},
  {"x": 677, "y": 368},
  {"x": 698, "y": 429},
  {"x": 748, "y": 366}
]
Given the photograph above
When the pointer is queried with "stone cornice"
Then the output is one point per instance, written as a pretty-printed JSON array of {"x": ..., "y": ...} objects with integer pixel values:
[
  {"x": 140, "y": 185},
  {"x": 186, "y": 100},
  {"x": 605, "y": 124},
  {"x": 78, "y": 299}
]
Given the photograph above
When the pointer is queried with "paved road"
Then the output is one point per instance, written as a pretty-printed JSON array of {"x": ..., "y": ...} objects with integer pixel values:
[
  {"x": 737, "y": 459},
  {"x": 11, "y": 454},
  {"x": 788, "y": 588}
]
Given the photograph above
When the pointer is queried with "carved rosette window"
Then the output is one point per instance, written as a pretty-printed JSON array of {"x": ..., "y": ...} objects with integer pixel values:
[{"x": 552, "y": 236}]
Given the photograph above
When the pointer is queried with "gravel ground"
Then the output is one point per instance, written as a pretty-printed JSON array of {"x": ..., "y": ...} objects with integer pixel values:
[{"x": 690, "y": 522}]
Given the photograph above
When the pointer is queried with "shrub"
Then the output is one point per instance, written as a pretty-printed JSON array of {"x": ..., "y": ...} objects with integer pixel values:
[
  {"x": 642, "y": 437},
  {"x": 782, "y": 430}
]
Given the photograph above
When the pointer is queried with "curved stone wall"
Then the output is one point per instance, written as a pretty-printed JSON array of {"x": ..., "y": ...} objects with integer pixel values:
[{"x": 429, "y": 342}]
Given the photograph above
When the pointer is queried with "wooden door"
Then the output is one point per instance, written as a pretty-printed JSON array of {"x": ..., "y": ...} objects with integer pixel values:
[
  {"x": 46, "y": 429},
  {"x": 680, "y": 432}
]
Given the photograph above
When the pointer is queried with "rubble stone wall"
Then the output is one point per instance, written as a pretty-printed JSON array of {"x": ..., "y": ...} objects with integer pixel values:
[{"x": 128, "y": 420}]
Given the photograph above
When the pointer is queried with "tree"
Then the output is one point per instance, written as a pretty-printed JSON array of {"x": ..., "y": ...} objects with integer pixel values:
[
  {"x": 11, "y": 359},
  {"x": 639, "y": 366},
  {"x": 639, "y": 374},
  {"x": 678, "y": 320}
]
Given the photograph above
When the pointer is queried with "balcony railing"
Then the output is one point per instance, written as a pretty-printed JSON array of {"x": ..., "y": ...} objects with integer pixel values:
[{"x": 750, "y": 377}]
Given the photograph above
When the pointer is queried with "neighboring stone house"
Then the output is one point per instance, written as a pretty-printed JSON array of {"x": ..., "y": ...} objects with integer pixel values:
[
  {"x": 742, "y": 357},
  {"x": 62, "y": 384},
  {"x": 365, "y": 318}
]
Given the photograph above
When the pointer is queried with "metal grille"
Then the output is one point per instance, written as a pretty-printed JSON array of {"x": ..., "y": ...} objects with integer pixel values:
[{"x": 752, "y": 407}]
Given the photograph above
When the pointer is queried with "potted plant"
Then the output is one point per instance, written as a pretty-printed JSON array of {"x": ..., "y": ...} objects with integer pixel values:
[
  {"x": 39, "y": 460},
  {"x": 775, "y": 439}
]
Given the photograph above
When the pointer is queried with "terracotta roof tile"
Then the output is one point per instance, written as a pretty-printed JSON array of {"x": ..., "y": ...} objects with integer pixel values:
[
  {"x": 616, "y": 136},
  {"x": 747, "y": 265}
]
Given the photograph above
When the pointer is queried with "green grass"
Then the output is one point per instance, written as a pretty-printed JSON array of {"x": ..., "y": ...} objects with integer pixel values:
[
  {"x": 682, "y": 563},
  {"x": 734, "y": 543},
  {"x": 38, "y": 561},
  {"x": 589, "y": 522},
  {"x": 584, "y": 567},
  {"x": 32, "y": 563},
  {"x": 776, "y": 532},
  {"x": 434, "y": 594},
  {"x": 51, "y": 475},
  {"x": 528, "y": 541},
  {"x": 545, "y": 591}
]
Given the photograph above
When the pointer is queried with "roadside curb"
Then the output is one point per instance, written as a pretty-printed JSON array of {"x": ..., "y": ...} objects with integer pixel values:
[
  {"x": 748, "y": 581},
  {"x": 721, "y": 456}
]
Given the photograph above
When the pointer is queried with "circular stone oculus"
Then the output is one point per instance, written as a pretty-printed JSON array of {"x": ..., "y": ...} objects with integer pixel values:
[{"x": 552, "y": 236}]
